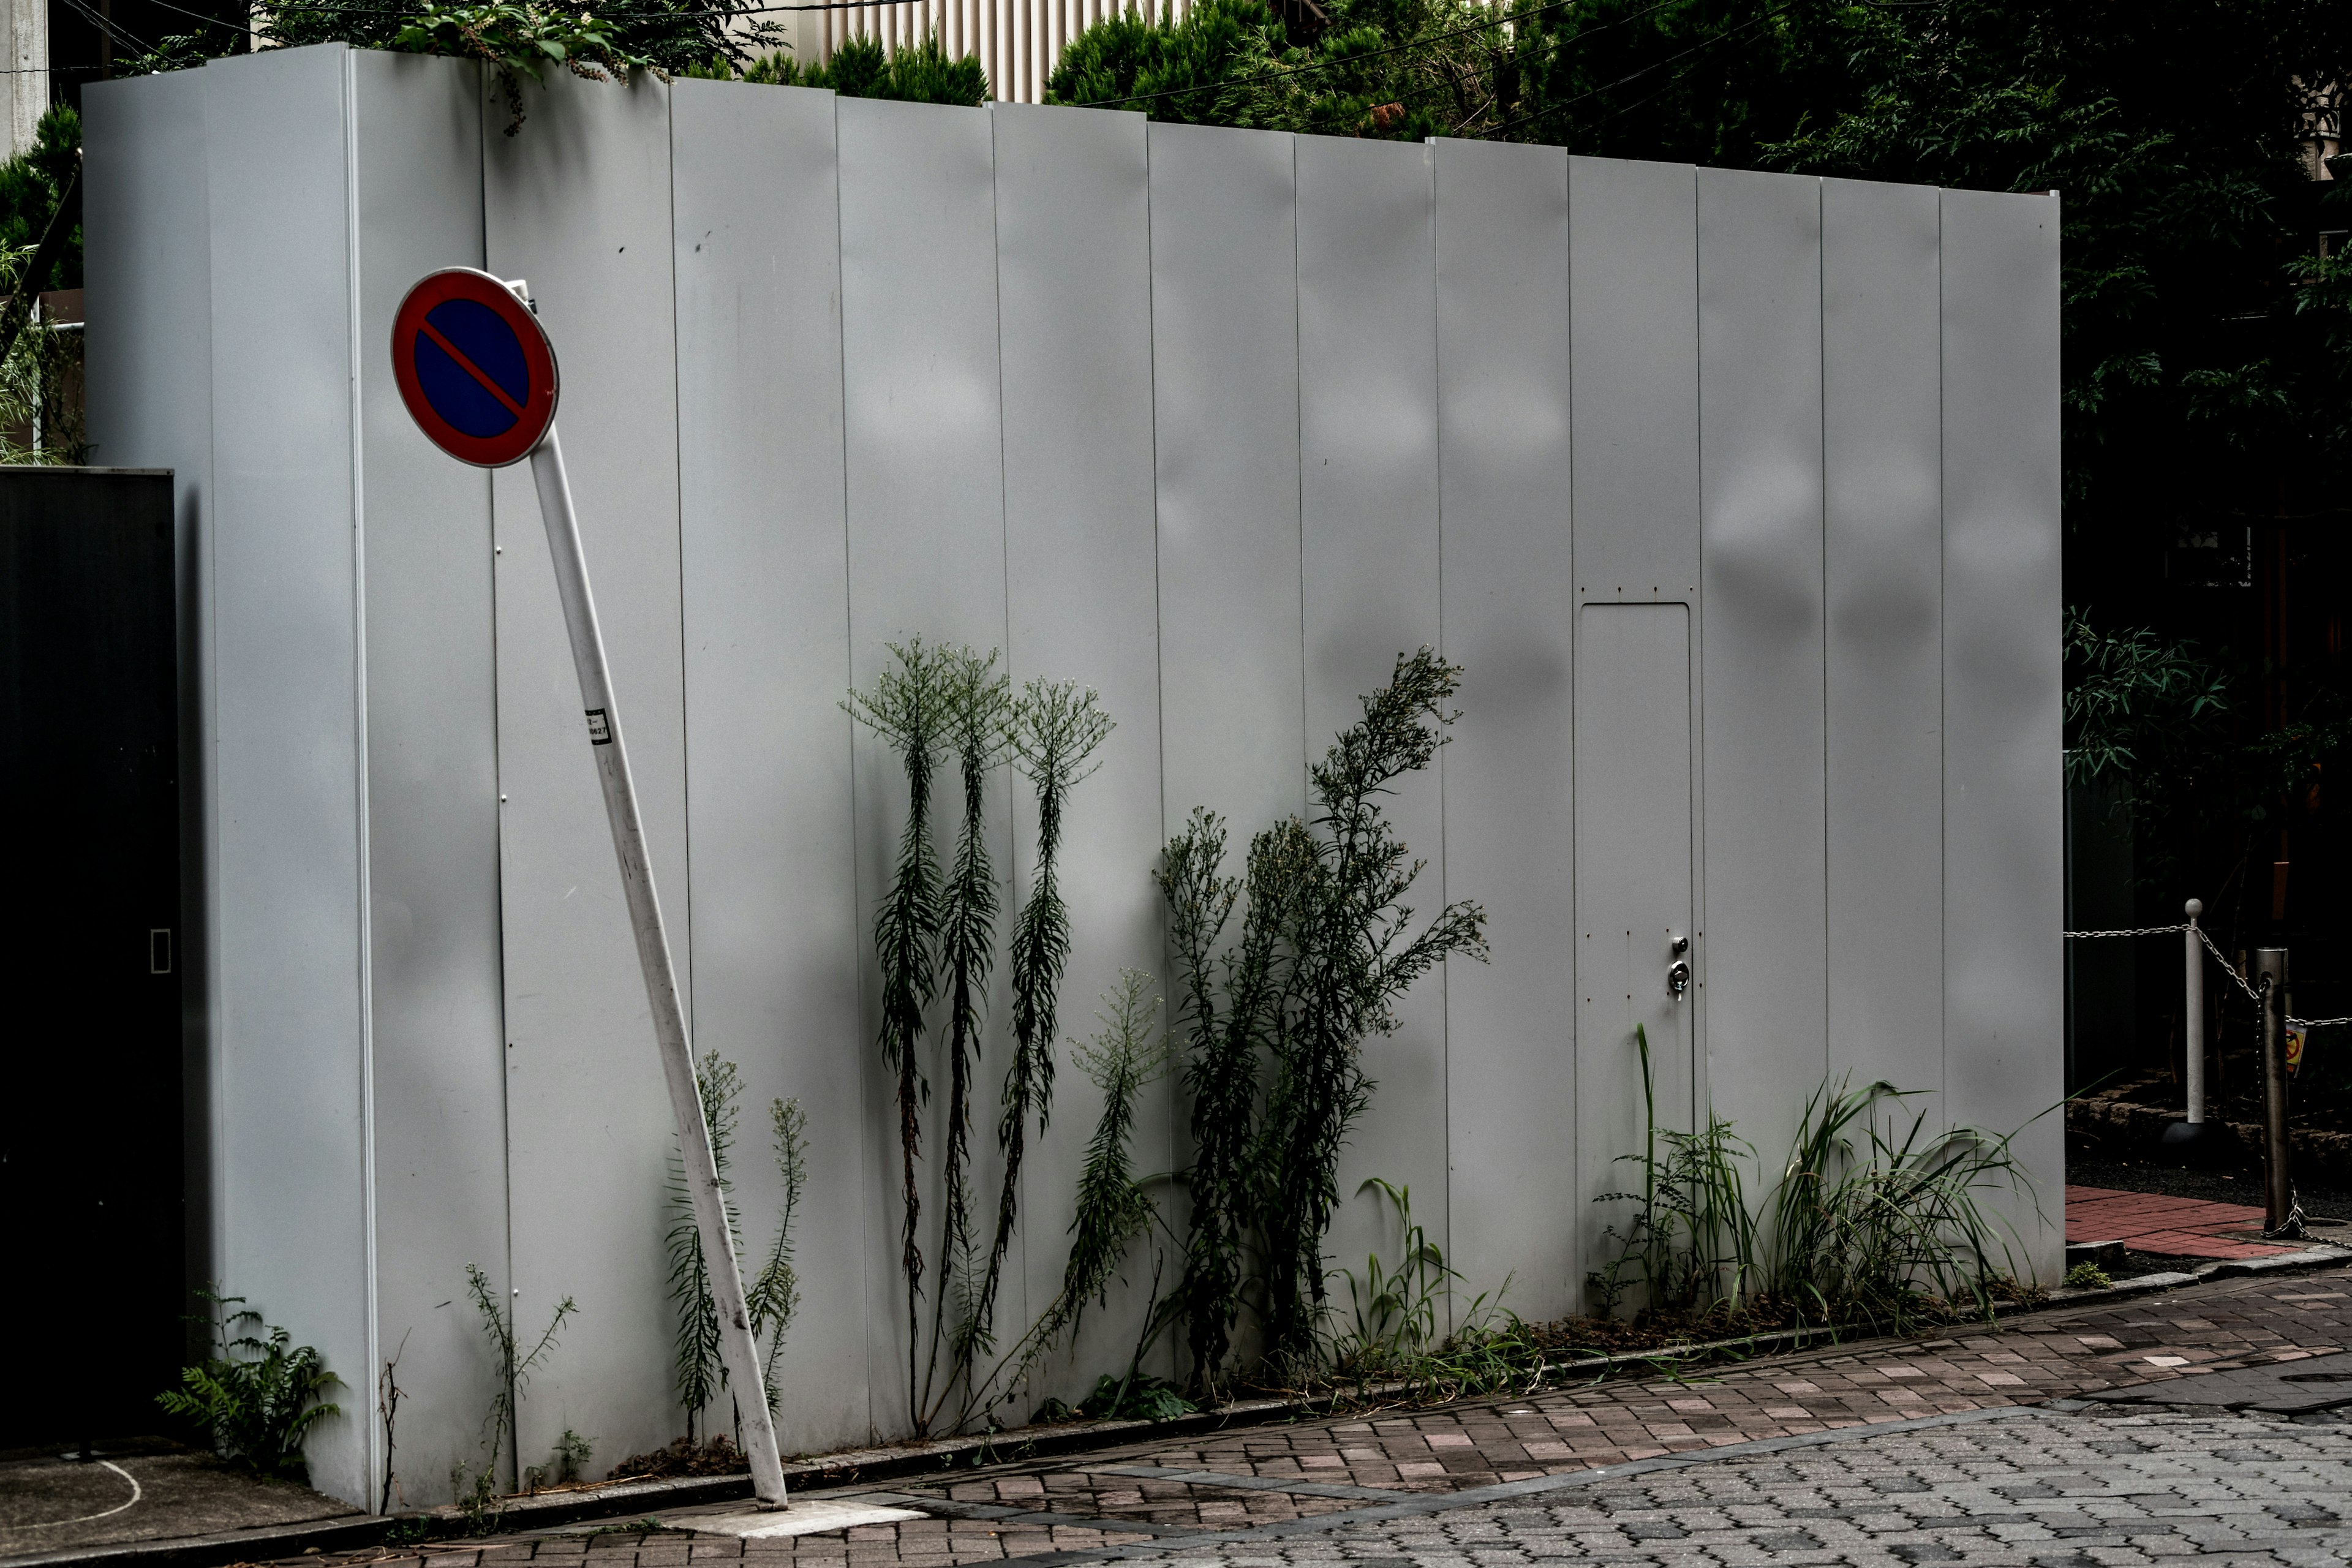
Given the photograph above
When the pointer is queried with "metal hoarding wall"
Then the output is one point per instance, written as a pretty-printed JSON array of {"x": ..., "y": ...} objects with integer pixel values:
[
  {"x": 1632, "y": 278},
  {"x": 1711, "y": 480},
  {"x": 434, "y": 960},
  {"x": 291, "y": 1167},
  {"x": 764, "y": 581},
  {"x": 2003, "y": 809},
  {"x": 580, "y": 212},
  {"x": 1369, "y": 576},
  {"x": 925, "y": 442},
  {"x": 1883, "y": 572},
  {"x": 1506, "y": 593},
  {"x": 1759, "y": 285},
  {"x": 1081, "y": 576}
]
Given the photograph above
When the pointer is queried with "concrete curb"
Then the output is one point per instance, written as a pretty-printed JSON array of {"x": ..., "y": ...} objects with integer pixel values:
[{"x": 623, "y": 1499}]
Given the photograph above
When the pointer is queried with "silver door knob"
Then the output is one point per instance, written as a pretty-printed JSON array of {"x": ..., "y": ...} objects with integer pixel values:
[{"x": 1678, "y": 977}]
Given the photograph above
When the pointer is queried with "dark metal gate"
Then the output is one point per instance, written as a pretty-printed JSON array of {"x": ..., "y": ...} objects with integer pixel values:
[{"x": 93, "y": 1210}]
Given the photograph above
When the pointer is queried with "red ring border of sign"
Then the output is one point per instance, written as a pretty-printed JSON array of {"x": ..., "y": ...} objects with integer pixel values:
[{"x": 510, "y": 446}]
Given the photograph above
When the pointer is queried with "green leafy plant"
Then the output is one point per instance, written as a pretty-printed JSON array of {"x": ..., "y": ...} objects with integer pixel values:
[
  {"x": 919, "y": 72},
  {"x": 567, "y": 1465},
  {"x": 476, "y": 1484},
  {"x": 1395, "y": 1309},
  {"x": 32, "y": 183},
  {"x": 522, "y": 41},
  {"x": 1398, "y": 1333},
  {"x": 1872, "y": 1224},
  {"x": 978, "y": 704},
  {"x": 908, "y": 709},
  {"x": 2088, "y": 1277},
  {"x": 775, "y": 1292},
  {"x": 1135, "y": 1397},
  {"x": 1229, "y": 1017},
  {"x": 259, "y": 1396},
  {"x": 2133, "y": 700},
  {"x": 935, "y": 942},
  {"x": 1128, "y": 1054},
  {"x": 1327, "y": 947},
  {"x": 699, "y": 1363},
  {"x": 1055, "y": 731}
]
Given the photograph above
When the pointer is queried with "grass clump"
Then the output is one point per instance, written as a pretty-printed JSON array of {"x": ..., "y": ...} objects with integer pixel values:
[
  {"x": 1876, "y": 1222},
  {"x": 2088, "y": 1277}
]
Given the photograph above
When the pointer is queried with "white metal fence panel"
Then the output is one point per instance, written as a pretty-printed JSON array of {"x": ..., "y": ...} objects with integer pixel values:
[
  {"x": 2003, "y": 882},
  {"x": 1759, "y": 290},
  {"x": 1368, "y": 549},
  {"x": 1074, "y": 290},
  {"x": 1881, "y": 444},
  {"x": 588, "y": 1122},
  {"x": 1634, "y": 311},
  {"x": 765, "y": 589},
  {"x": 1224, "y": 313},
  {"x": 1502, "y": 222},
  {"x": 288, "y": 861},
  {"x": 432, "y": 774},
  {"x": 926, "y": 559}
]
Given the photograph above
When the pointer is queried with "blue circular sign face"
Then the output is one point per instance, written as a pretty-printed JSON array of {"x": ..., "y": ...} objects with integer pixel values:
[{"x": 474, "y": 369}]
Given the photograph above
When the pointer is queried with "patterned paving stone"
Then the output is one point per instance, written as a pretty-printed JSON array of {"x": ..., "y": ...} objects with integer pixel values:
[
  {"x": 1982, "y": 1507},
  {"x": 2038, "y": 1490}
]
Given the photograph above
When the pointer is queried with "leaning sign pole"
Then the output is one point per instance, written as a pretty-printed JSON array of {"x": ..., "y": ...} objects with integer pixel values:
[{"x": 479, "y": 376}]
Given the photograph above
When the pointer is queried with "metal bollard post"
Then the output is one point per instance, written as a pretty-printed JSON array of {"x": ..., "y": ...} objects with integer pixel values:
[
  {"x": 2192, "y": 1015},
  {"x": 2281, "y": 1215}
]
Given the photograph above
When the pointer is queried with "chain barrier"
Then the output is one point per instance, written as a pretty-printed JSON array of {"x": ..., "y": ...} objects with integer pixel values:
[{"x": 2227, "y": 967}]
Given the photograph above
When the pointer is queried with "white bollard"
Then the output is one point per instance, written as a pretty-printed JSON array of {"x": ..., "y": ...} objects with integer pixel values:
[{"x": 2192, "y": 1014}]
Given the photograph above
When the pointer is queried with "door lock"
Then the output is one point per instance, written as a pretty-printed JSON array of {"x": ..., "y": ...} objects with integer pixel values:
[{"x": 1678, "y": 973}]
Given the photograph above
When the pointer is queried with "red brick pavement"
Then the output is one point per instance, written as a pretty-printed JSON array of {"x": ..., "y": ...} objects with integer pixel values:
[
  {"x": 1026, "y": 1508},
  {"x": 2174, "y": 1228}
]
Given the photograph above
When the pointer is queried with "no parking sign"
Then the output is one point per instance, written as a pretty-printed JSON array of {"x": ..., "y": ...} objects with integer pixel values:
[
  {"x": 475, "y": 367},
  {"x": 477, "y": 373}
]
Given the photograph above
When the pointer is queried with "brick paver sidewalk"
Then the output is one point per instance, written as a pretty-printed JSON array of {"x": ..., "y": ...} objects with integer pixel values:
[
  {"x": 2157, "y": 1223},
  {"x": 1284, "y": 1478}
]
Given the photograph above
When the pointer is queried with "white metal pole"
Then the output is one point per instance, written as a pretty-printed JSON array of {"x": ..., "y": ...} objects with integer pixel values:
[
  {"x": 741, "y": 1353},
  {"x": 2192, "y": 1014}
]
